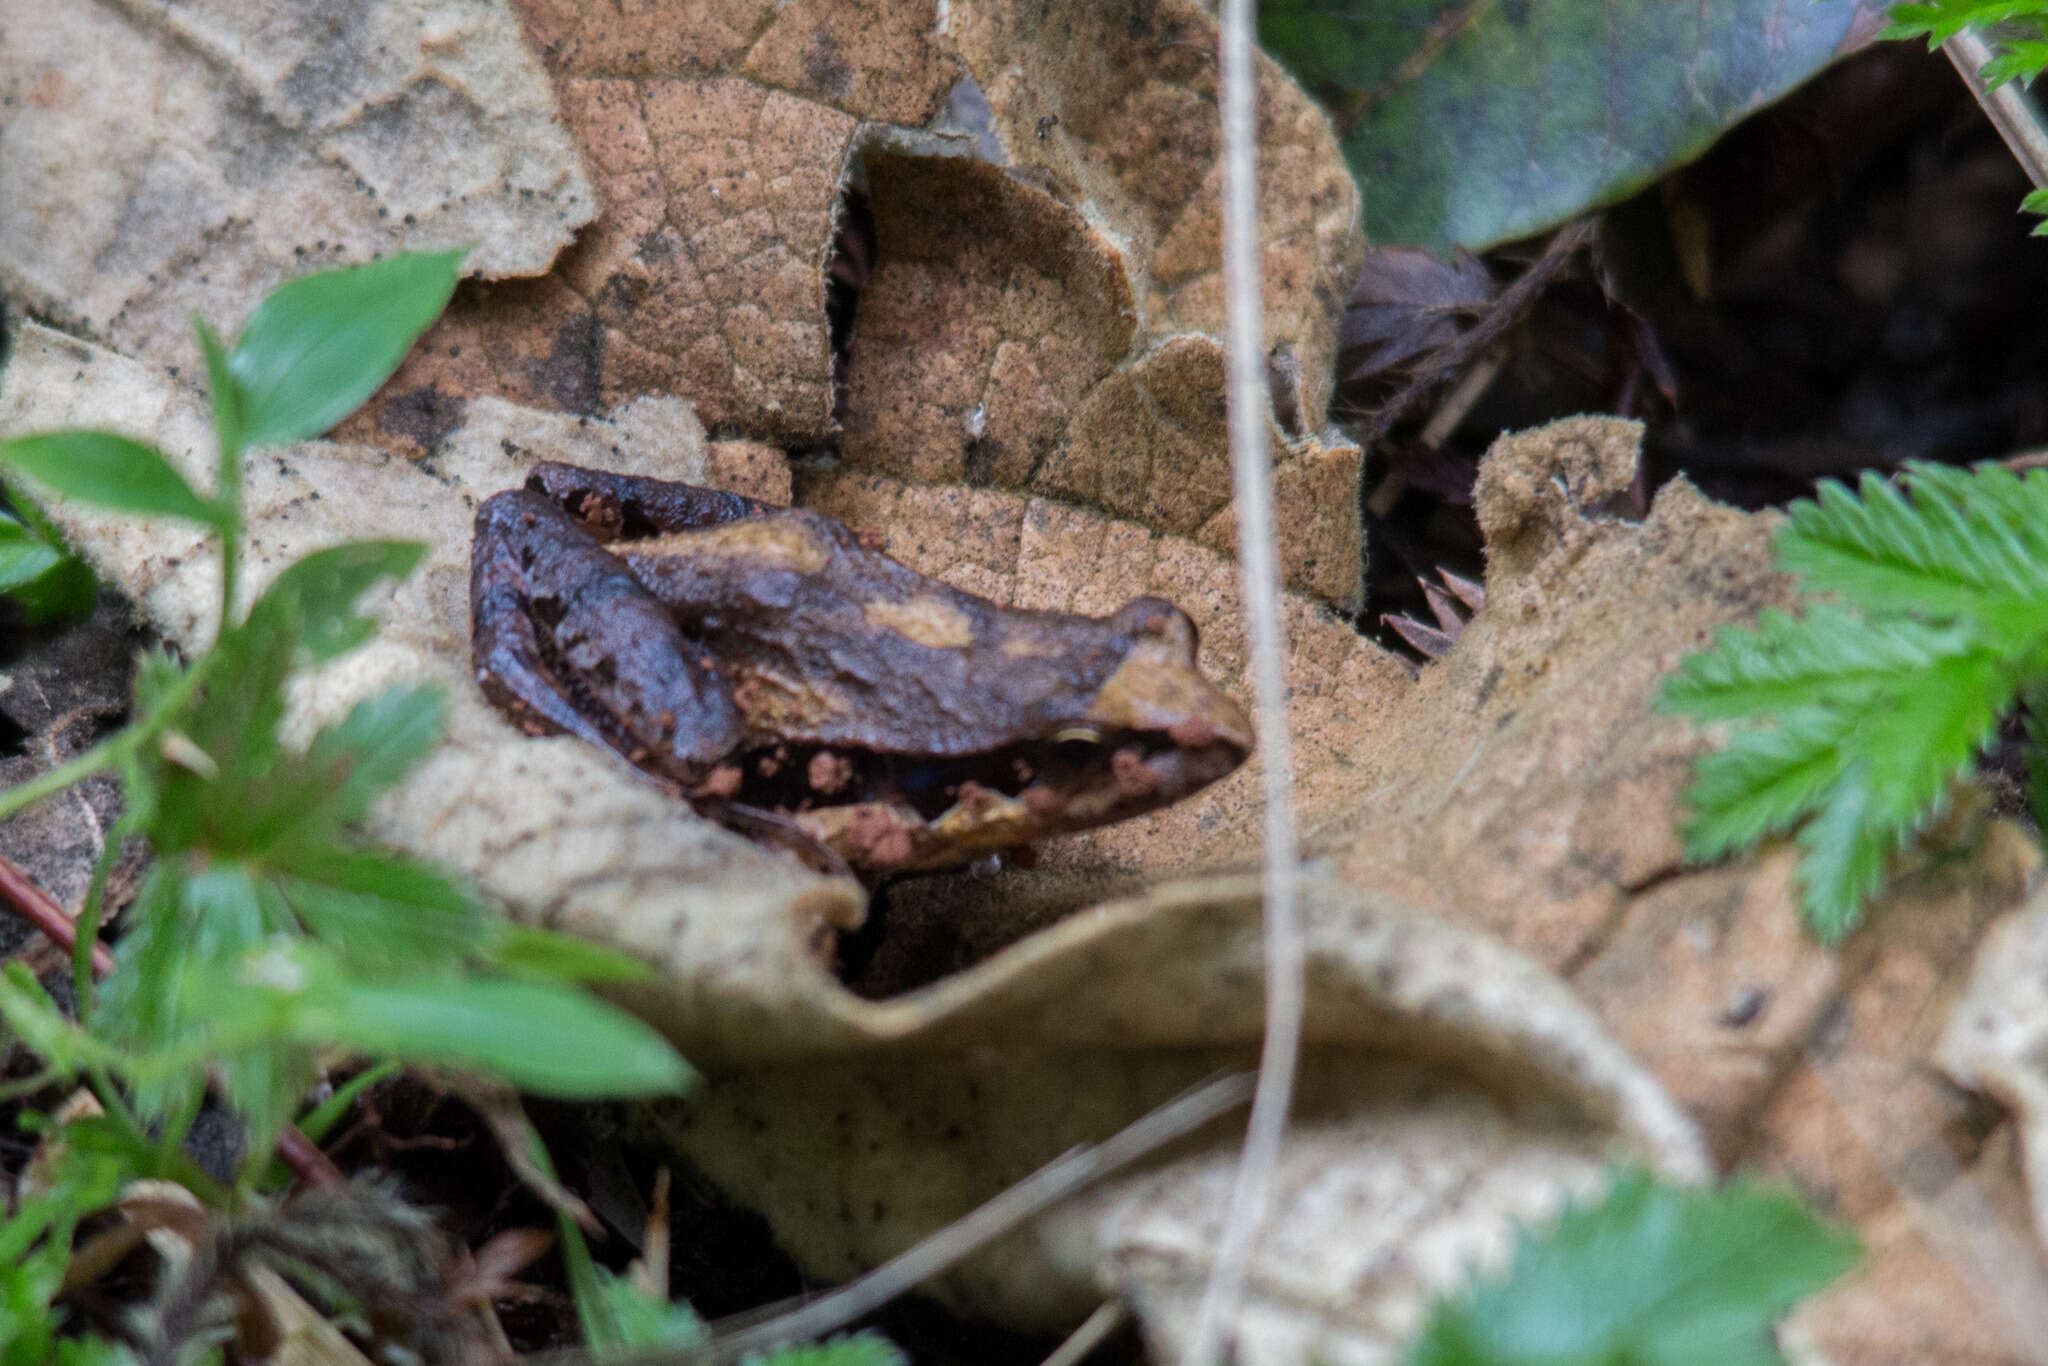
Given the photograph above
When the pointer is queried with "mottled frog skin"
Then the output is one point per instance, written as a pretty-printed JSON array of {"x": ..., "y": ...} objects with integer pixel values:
[{"x": 764, "y": 664}]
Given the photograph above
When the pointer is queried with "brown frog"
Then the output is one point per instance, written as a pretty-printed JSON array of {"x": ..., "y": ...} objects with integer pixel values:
[{"x": 787, "y": 679}]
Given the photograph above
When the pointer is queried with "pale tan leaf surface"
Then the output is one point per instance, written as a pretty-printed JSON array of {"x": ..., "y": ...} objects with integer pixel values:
[
  {"x": 1996, "y": 1038},
  {"x": 1445, "y": 1071},
  {"x": 1044, "y": 306},
  {"x": 159, "y": 158}
]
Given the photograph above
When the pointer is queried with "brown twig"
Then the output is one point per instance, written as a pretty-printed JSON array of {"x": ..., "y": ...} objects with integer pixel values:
[{"x": 1504, "y": 312}]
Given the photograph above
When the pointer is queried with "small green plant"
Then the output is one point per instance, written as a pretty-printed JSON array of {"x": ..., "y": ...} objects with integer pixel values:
[
  {"x": 2016, "y": 29},
  {"x": 1651, "y": 1273},
  {"x": 266, "y": 935},
  {"x": 1849, "y": 723},
  {"x": 2017, "y": 32}
]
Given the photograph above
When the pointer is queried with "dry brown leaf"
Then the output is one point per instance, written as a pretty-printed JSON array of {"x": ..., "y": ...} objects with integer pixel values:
[
  {"x": 163, "y": 158},
  {"x": 1531, "y": 795},
  {"x": 1994, "y": 1038},
  {"x": 1452, "y": 1086},
  {"x": 1422, "y": 1029},
  {"x": 1045, "y": 307}
]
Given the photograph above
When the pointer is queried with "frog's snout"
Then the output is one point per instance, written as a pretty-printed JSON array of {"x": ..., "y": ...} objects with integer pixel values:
[{"x": 1158, "y": 688}]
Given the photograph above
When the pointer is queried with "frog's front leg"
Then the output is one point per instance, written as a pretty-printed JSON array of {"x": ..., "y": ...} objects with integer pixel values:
[
  {"x": 630, "y": 506},
  {"x": 566, "y": 639}
]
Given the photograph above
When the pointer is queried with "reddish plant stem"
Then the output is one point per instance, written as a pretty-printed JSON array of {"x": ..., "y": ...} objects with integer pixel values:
[{"x": 41, "y": 910}]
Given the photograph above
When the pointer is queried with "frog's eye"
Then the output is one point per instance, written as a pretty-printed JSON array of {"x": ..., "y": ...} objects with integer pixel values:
[{"x": 1077, "y": 735}]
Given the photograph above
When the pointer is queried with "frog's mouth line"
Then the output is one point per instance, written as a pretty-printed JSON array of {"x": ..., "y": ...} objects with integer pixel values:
[{"x": 1122, "y": 773}]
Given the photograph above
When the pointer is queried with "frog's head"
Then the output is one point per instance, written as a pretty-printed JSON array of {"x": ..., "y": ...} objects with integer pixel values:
[{"x": 1151, "y": 731}]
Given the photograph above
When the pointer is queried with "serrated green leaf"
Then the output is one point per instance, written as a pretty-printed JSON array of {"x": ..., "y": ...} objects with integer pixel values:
[
  {"x": 303, "y": 802},
  {"x": 108, "y": 471},
  {"x": 541, "y": 1037},
  {"x": 232, "y": 721},
  {"x": 181, "y": 925},
  {"x": 382, "y": 911},
  {"x": 1652, "y": 1275},
  {"x": 862, "y": 1349},
  {"x": 1970, "y": 546},
  {"x": 1843, "y": 853},
  {"x": 1858, "y": 716},
  {"x": 1904, "y": 756},
  {"x": 1764, "y": 781},
  {"x": 321, "y": 344},
  {"x": 380, "y": 740},
  {"x": 314, "y": 599},
  {"x": 1785, "y": 662},
  {"x": 638, "y": 1319}
]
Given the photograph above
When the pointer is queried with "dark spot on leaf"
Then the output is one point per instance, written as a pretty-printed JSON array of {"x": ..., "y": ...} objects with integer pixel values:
[
  {"x": 982, "y": 455},
  {"x": 422, "y": 416},
  {"x": 573, "y": 374},
  {"x": 825, "y": 69}
]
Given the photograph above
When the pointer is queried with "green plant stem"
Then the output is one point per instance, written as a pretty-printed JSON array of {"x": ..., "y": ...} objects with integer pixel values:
[
  {"x": 83, "y": 988},
  {"x": 228, "y": 496},
  {"x": 107, "y": 752},
  {"x": 28, "y": 1086}
]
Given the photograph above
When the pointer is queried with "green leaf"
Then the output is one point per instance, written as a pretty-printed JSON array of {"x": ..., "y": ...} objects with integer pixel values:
[
  {"x": 862, "y": 1349},
  {"x": 544, "y": 1038},
  {"x": 33, "y": 1019},
  {"x": 35, "y": 1251},
  {"x": 637, "y": 1319},
  {"x": 2014, "y": 29},
  {"x": 321, "y": 344},
  {"x": 526, "y": 951},
  {"x": 1856, "y": 717},
  {"x": 182, "y": 926},
  {"x": 1765, "y": 781},
  {"x": 46, "y": 583},
  {"x": 315, "y": 597},
  {"x": 109, "y": 471},
  {"x": 23, "y": 557},
  {"x": 302, "y": 802},
  {"x": 381, "y": 911},
  {"x": 1968, "y": 546},
  {"x": 1845, "y": 848},
  {"x": 375, "y": 745},
  {"x": 1785, "y": 662},
  {"x": 1651, "y": 1275},
  {"x": 1468, "y": 125}
]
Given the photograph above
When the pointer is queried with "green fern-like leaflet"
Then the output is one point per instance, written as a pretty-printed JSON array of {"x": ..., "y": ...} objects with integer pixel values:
[{"x": 1849, "y": 724}]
